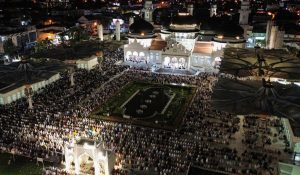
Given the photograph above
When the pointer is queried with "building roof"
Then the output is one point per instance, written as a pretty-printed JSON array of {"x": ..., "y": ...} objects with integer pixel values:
[
  {"x": 22, "y": 82},
  {"x": 204, "y": 48},
  {"x": 12, "y": 78},
  {"x": 158, "y": 45}
]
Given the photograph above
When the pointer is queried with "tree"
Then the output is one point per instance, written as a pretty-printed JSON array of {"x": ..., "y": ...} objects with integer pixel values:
[
  {"x": 9, "y": 48},
  {"x": 43, "y": 45},
  {"x": 77, "y": 34},
  {"x": 62, "y": 37}
]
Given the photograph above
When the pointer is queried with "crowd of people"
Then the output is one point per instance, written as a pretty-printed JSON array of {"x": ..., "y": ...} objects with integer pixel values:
[{"x": 61, "y": 112}]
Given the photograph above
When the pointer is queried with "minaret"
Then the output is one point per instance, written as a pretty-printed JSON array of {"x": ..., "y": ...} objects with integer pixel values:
[
  {"x": 118, "y": 30},
  {"x": 213, "y": 10},
  {"x": 268, "y": 32},
  {"x": 244, "y": 12},
  {"x": 100, "y": 32},
  {"x": 276, "y": 38},
  {"x": 190, "y": 9},
  {"x": 131, "y": 20},
  {"x": 148, "y": 9}
]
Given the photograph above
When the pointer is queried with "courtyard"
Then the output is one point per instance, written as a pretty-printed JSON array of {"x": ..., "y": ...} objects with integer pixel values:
[{"x": 151, "y": 105}]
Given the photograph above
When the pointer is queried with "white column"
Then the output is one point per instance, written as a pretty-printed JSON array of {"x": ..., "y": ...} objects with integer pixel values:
[
  {"x": 118, "y": 30},
  {"x": 68, "y": 161},
  {"x": 77, "y": 165},
  {"x": 100, "y": 32},
  {"x": 131, "y": 20},
  {"x": 96, "y": 166},
  {"x": 106, "y": 162}
]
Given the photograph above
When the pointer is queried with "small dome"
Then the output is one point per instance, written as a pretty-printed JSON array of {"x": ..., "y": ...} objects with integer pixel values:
[{"x": 141, "y": 26}]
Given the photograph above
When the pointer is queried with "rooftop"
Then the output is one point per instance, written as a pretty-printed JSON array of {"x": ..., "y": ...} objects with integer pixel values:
[
  {"x": 205, "y": 48},
  {"x": 11, "y": 78},
  {"x": 158, "y": 45}
]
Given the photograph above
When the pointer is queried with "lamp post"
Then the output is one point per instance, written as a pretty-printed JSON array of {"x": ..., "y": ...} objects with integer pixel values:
[
  {"x": 29, "y": 94},
  {"x": 72, "y": 72}
]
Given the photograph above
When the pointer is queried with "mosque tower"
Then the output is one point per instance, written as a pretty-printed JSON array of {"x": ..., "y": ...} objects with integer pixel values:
[
  {"x": 274, "y": 36},
  {"x": 148, "y": 10},
  {"x": 244, "y": 12},
  {"x": 190, "y": 9},
  {"x": 213, "y": 10}
]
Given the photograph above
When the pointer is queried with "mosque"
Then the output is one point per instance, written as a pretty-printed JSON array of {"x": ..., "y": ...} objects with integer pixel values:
[{"x": 182, "y": 45}]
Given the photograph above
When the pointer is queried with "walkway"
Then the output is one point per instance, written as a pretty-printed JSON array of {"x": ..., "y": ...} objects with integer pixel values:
[{"x": 101, "y": 87}]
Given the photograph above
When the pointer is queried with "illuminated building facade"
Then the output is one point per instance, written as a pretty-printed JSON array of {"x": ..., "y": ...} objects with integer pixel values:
[
  {"x": 84, "y": 152},
  {"x": 177, "y": 46}
]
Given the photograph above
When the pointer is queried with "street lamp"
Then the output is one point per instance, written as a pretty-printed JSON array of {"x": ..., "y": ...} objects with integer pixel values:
[
  {"x": 72, "y": 72},
  {"x": 29, "y": 94}
]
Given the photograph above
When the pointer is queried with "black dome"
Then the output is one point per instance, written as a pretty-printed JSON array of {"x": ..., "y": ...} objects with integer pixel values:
[
  {"x": 223, "y": 27},
  {"x": 141, "y": 26},
  {"x": 184, "y": 20}
]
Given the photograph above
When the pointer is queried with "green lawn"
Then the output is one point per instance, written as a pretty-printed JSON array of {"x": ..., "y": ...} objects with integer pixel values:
[
  {"x": 21, "y": 166},
  {"x": 169, "y": 120}
]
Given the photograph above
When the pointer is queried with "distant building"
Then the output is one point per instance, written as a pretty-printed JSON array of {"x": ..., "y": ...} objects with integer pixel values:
[
  {"x": 87, "y": 63},
  {"x": 293, "y": 136},
  {"x": 20, "y": 38},
  {"x": 16, "y": 90}
]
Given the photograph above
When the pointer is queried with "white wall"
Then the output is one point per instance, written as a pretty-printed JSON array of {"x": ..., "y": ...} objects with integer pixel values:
[{"x": 15, "y": 94}]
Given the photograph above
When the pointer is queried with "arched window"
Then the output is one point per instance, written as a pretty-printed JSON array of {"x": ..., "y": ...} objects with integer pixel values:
[
  {"x": 142, "y": 54},
  {"x": 166, "y": 61},
  {"x": 135, "y": 53},
  {"x": 181, "y": 60},
  {"x": 174, "y": 60},
  {"x": 128, "y": 54}
]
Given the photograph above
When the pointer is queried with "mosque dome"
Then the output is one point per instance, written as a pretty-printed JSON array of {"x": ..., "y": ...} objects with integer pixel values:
[{"x": 141, "y": 27}]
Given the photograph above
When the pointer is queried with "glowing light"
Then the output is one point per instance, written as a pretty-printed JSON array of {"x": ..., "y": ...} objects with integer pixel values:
[
  {"x": 283, "y": 81},
  {"x": 237, "y": 37},
  {"x": 95, "y": 23},
  {"x": 297, "y": 83},
  {"x": 183, "y": 14},
  {"x": 220, "y": 37},
  {"x": 87, "y": 146},
  {"x": 142, "y": 34}
]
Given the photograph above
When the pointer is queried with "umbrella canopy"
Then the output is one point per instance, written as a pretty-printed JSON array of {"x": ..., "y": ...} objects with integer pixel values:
[
  {"x": 257, "y": 97},
  {"x": 260, "y": 63}
]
